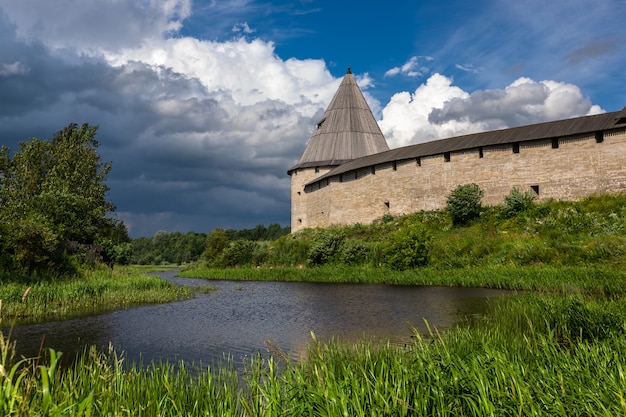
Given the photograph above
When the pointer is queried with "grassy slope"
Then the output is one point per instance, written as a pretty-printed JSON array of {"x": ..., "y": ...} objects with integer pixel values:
[{"x": 555, "y": 246}]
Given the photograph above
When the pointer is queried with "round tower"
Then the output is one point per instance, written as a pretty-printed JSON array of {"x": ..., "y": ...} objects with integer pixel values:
[{"x": 347, "y": 130}]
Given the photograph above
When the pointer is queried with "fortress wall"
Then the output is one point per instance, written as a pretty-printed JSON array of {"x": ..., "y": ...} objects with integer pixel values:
[{"x": 579, "y": 167}]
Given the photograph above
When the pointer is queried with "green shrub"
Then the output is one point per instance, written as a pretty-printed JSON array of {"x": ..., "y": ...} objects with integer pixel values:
[
  {"x": 464, "y": 204},
  {"x": 408, "y": 248},
  {"x": 324, "y": 246},
  {"x": 289, "y": 250},
  {"x": 517, "y": 202},
  {"x": 354, "y": 252},
  {"x": 239, "y": 253}
]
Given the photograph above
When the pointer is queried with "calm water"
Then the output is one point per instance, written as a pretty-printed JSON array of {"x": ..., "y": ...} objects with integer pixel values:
[{"x": 243, "y": 318}]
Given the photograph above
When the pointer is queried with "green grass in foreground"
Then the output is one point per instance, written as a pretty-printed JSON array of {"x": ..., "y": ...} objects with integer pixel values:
[
  {"x": 532, "y": 356},
  {"x": 96, "y": 291}
]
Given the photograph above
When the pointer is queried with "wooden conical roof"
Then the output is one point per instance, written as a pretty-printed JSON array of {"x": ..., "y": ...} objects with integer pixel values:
[{"x": 348, "y": 130}]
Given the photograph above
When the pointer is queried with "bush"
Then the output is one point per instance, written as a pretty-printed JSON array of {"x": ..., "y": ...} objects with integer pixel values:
[
  {"x": 239, "y": 253},
  {"x": 324, "y": 246},
  {"x": 517, "y": 202},
  {"x": 464, "y": 204},
  {"x": 408, "y": 248},
  {"x": 354, "y": 252}
]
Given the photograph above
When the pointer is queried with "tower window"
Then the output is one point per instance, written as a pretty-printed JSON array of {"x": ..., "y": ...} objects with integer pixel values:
[
  {"x": 395, "y": 165},
  {"x": 599, "y": 136},
  {"x": 480, "y": 152},
  {"x": 387, "y": 204},
  {"x": 317, "y": 170},
  {"x": 446, "y": 157},
  {"x": 555, "y": 143},
  {"x": 418, "y": 160},
  {"x": 516, "y": 147},
  {"x": 535, "y": 188},
  {"x": 373, "y": 169}
]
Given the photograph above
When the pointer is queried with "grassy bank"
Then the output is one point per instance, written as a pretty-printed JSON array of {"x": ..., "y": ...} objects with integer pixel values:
[
  {"x": 543, "y": 356},
  {"x": 93, "y": 292},
  {"x": 600, "y": 280}
]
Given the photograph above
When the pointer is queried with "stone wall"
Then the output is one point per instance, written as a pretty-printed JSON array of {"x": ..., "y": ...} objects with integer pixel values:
[{"x": 564, "y": 169}]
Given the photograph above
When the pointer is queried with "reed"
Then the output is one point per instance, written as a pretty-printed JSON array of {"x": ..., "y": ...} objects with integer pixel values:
[
  {"x": 532, "y": 355},
  {"x": 95, "y": 291}
]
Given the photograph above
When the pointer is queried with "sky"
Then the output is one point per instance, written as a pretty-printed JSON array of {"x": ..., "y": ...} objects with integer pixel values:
[{"x": 204, "y": 105}]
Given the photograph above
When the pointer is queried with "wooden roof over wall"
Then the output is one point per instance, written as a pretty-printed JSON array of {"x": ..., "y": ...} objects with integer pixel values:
[
  {"x": 547, "y": 130},
  {"x": 348, "y": 130}
]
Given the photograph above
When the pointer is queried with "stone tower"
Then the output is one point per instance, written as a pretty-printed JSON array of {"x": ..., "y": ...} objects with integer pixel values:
[{"x": 347, "y": 130}]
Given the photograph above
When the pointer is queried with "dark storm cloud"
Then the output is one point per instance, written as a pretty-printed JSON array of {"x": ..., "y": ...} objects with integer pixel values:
[{"x": 183, "y": 157}]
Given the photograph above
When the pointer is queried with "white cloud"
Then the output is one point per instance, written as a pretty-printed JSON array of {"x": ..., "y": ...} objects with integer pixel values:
[
  {"x": 411, "y": 68},
  {"x": 437, "y": 109},
  {"x": 468, "y": 68},
  {"x": 242, "y": 28}
]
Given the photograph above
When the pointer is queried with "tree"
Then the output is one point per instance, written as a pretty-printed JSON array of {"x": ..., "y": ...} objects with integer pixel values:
[
  {"x": 53, "y": 192},
  {"x": 216, "y": 242},
  {"x": 464, "y": 204}
]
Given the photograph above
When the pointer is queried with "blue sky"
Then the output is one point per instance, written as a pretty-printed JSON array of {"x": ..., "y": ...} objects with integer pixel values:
[{"x": 202, "y": 106}]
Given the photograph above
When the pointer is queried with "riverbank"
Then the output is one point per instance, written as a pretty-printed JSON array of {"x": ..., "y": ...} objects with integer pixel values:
[
  {"x": 598, "y": 280},
  {"x": 95, "y": 291},
  {"x": 544, "y": 355}
]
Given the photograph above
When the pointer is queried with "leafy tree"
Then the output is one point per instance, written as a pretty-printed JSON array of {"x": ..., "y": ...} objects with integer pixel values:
[
  {"x": 239, "y": 252},
  {"x": 464, "y": 204},
  {"x": 408, "y": 248},
  {"x": 216, "y": 242},
  {"x": 53, "y": 192}
]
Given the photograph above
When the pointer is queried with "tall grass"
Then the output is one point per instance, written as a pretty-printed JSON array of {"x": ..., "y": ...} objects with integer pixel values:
[
  {"x": 532, "y": 355},
  {"x": 95, "y": 291}
]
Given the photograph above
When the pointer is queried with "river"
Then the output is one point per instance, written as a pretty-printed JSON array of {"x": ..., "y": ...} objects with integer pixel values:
[{"x": 243, "y": 318}]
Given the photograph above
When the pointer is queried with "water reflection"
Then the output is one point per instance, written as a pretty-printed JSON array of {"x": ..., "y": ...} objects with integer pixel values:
[{"x": 240, "y": 317}]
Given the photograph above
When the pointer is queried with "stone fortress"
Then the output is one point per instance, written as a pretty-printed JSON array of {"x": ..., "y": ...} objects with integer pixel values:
[{"x": 347, "y": 173}]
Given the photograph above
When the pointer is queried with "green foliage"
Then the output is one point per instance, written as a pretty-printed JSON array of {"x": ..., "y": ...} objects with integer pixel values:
[
  {"x": 96, "y": 290},
  {"x": 517, "y": 201},
  {"x": 120, "y": 254},
  {"x": 52, "y": 192},
  {"x": 239, "y": 253},
  {"x": 169, "y": 248},
  {"x": 324, "y": 246},
  {"x": 288, "y": 250},
  {"x": 216, "y": 242},
  {"x": 408, "y": 248},
  {"x": 354, "y": 252},
  {"x": 258, "y": 233},
  {"x": 464, "y": 204}
]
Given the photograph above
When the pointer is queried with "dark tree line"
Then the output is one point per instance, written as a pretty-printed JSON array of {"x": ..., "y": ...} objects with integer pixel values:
[{"x": 178, "y": 248}]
